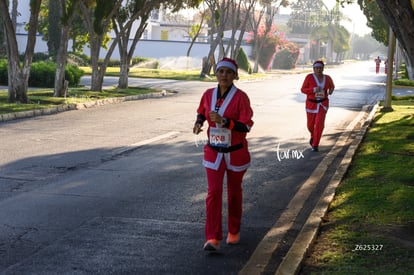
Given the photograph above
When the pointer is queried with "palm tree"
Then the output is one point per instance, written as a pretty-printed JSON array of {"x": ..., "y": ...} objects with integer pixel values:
[
  {"x": 331, "y": 34},
  {"x": 332, "y": 38}
]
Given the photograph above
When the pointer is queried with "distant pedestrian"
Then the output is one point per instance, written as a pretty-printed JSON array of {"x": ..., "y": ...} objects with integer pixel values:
[
  {"x": 386, "y": 66},
  {"x": 229, "y": 116},
  {"x": 377, "y": 64},
  {"x": 317, "y": 86}
]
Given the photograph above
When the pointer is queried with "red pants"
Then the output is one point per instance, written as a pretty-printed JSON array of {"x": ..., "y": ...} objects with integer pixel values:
[
  {"x": 214, "y": 201},
  {"x": 316, "y": 124}
]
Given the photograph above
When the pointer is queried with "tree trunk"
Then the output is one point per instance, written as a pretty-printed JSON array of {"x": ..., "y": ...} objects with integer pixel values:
[
  {"x": 124, "y": 67},
  {"x": 256, "y": 52},
  {"x": 95, "y": 43},
  {"x": 99, "y": 70},
  {"x": 196, "y": 34},
  {"x": 60, "y": 89},
  {"x": 218, "y": 27},
  {"x": 210, "y": 61},
  {"x": 14, "y": 13},
  {"x": 60, "y": 82},
  {"x": 123, "y": 42},
  {"x": 19, "y": 77},
  {"x": 400, "y": 16},
  {"x": 95, "y": 83},
  {"x": 55, "y": 12}
]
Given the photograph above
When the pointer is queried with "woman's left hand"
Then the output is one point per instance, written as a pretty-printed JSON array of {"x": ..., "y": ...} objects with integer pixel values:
[{"x": 215, "y": 117}]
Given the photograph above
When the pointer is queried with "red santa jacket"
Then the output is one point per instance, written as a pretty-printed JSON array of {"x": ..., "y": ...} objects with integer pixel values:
[
  {"x": 236, "y": 107},
  {"x": 314, "y": 102}
]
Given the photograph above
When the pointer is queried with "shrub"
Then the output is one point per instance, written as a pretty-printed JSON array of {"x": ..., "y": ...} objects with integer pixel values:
[
  {"x": 142, "y": 62},
  {"x": 78, "y": 59},
  {"x": 3, "y": 72},
  {"x": 40, "y": 57},
  {"x": 404, "y": 82},
  {"x": 73, "y": 74},
  {"x": 243, "y": 61},
  {"x": 285, "y": 59},
  {"x": 42, "y": 74},
  {"x": 137, "y": 60}
]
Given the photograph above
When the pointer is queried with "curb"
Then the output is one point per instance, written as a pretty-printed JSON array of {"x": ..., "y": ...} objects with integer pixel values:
[
  {"x": 292, "y": 262},
  {"x": 79, "y": 106}
]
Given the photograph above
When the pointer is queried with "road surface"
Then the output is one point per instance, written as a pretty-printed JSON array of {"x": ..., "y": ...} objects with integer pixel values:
[{"x": 120, "y": 188}]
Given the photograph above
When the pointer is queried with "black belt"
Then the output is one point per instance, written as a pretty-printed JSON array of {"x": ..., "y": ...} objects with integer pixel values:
[
  {"x": 317, "y": 100},
  {"x": 226, "y": 149}
]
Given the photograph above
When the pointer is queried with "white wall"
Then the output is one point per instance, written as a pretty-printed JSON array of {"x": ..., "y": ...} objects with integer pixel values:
[{"x": 145, "y": 48}]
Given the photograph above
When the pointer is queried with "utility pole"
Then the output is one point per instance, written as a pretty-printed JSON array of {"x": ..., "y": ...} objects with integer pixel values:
[{"x": 388, "y": 94}]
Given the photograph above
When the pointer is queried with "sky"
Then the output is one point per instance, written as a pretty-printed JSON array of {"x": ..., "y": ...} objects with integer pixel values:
[{"x": 359, "y": 21}]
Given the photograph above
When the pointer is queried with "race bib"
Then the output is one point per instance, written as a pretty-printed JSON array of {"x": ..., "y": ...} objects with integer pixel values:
[
  {"x": 220, "y": 137},
  {"x": 320, "y": 94}
]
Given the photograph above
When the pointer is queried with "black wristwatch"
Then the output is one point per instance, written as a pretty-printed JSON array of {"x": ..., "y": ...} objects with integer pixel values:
[{"x": 224, "y": 122}]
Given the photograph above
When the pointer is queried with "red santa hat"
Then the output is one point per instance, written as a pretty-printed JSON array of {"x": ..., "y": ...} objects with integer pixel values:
[
  {"x": 228, "y": 63},
  {"x": 318, "y": 63}
]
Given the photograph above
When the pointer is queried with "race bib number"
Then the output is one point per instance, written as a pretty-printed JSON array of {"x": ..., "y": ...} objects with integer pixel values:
[
  {"x": 220, "y": 137},
  {"x": 320, "y": 94}
]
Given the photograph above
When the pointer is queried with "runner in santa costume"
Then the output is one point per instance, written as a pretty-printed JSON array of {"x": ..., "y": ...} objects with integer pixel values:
[
  {"x": 377, "y": 64},
  {"x": 229, "y": 116},
  {"x": 317, "y": 87}
]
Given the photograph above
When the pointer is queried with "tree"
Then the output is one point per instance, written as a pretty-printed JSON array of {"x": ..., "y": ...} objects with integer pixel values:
[
  {"x": 78, "y": 33},
  {"x": 67, "y": 10},
  {"x": 54, "y": 34},
  {"x": 363, "y": 47},
  {"x": 195, "y": 31},
  {"x": 232, "y": 16},
  {"x": 97, "y": 16},
  {"x": 341, "y": 43},
  {"x": 400, "y": 17},
  {"x": 18, "y": 74},
  {"x": 219, "y": 11},
  {"x": 265, "y": 45},
  {"x": 123, "y": 23},
  {"x": 336, "y": 37},
  {"x": 263, "y": 27},
  {"x": 305, "y": 16},
  {"x": 2, "y": 39},
  {"x": 375, "y": 20}
]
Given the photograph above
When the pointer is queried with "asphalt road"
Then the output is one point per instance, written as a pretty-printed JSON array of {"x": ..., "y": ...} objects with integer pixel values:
[{"x": 120, "y": 188}]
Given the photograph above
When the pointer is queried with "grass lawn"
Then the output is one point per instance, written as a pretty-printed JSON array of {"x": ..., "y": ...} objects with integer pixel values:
[
  {"x": 370, "y": 226},
  {"x": 153, "y": 73},
  {"x": 189, "y": 75},
  {"x": 43, "y": 98}
]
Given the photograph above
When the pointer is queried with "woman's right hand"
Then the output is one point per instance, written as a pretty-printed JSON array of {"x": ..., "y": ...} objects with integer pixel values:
[{"x": 197, "y": 128}]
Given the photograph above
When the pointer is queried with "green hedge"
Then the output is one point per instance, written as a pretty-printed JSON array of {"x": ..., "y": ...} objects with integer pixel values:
[
  {"x": 42, "y": 74},
  {"x": 3, "y": 72},
  {"x": 404, "y": 82},
  {"x": 243, "y": 61}
]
